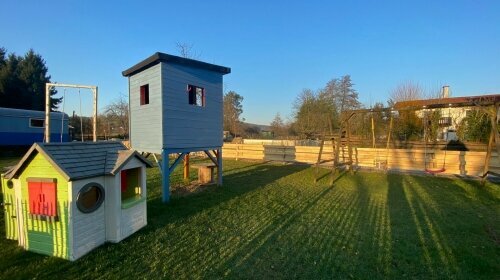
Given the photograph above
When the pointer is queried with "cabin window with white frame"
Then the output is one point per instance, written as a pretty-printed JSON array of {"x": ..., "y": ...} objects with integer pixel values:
[
  {"x": 196, "y": 95},
  {"x": 145, "y": 94},
  {"x": 37, "y": 122}
]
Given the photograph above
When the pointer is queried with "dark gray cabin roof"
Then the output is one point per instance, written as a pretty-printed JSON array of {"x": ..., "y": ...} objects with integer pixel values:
[
  {"x": 163, "y": 57},
  {"x": 78, "y": 160}
]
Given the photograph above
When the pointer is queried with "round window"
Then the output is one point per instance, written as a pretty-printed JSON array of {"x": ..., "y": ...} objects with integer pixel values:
[
  {"x": 10, "y": 184},
  {"x": 90, "y": 197}
]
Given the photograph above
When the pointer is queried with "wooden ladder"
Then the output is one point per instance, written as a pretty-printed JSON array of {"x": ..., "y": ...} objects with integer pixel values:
[{"x": 337, "y": 143}]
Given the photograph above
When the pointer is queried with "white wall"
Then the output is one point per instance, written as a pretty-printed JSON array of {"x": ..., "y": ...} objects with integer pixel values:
[
  {"x": 121, "y": 223},
  {"x": 135, "y": 217},
  {"x": 88, "y": 229}
]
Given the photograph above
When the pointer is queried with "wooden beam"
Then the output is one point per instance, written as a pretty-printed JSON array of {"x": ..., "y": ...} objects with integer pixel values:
[
  {"x": 219, "y": 166},
  {"x": 349, "y": 148},
  {"x": 177, "y": 160},
  {"x": 211, "y": 157},
  {"x": 186, "y": 166},
  {"x": 47, "y": 112},
  {"x": 494, "y": 137},
  {"x": 322, "y": 143},
  {"x": 335, "y": 151},
  {"x": 94, "y": 115},
  {"x": 373, "y": 131}
]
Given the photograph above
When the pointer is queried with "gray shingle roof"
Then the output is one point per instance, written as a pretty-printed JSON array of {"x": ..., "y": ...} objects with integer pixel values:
[{"x": 78, "y": 160}]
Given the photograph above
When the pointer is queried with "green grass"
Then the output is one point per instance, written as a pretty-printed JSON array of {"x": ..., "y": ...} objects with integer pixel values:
[{"x": 271, "y": 221}]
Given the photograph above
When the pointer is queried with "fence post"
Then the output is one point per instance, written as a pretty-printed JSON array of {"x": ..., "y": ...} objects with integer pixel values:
[
  {"x": 237, "y": 151},
  {"x": 284, "y": 154}
]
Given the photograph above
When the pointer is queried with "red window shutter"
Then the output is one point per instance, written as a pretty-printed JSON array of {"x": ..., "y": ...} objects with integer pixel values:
[
  {"x": 123, "y": 177},
  {"x": 34, "y": 194},
  {"x": 143, "y": 93},
  {"x": 42, "y": 198},
  {"x": 49, "y": 199}
]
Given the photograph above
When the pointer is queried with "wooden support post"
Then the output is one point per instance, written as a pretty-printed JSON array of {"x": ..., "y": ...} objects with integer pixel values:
[
  {"x": 237, "y": 151},
  {"x": 94, "y": 117},
  {"x": 388, "y": 143},
  {"x": 47, "y": 113},
  {"x": 493, "y": 136},
  {"x": 186, "y": 167},
  {"x": 284, "y": 153},
  {"x": 389, "y": 133},
  {"x": 165, "y": 180},
  {"x": 336, "y": 148},
  {"x": 335, "y": 151},
  {"x": 219, "y": 166},
  {"x": 349, "y": 148},
  {"x": 319, "y": 158},
  {"x": 373, "y": 132}
]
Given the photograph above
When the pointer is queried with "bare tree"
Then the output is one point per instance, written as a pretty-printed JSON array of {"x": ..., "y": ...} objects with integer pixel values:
[
  {"x": 186, "y": 50},
  {"x": 117, "y": 116},
  {"x": 407, "y": 91},
  {"x": 409, "y": 125}
]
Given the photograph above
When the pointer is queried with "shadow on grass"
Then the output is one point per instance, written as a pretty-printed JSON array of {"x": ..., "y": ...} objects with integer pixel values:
[
  {"x": 272, "y": 221},
  {"x": 249, "y": 178},
  {"x": 436, "y": 220}
]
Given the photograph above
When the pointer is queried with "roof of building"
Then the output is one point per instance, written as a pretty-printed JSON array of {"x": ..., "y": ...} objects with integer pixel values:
[
  {"x": 462, "y": 101},
  {"x": 23, "y": 113},
  {"x": 163, "y": 57},
  {"x": 78, "y": 160}
]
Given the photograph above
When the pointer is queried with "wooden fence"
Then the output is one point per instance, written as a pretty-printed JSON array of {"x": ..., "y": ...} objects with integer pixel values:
[{"x": 467, "y": 163}]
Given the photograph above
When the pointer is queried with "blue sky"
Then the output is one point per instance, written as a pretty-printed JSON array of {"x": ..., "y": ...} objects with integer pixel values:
[{"x": 275, "y": 48}]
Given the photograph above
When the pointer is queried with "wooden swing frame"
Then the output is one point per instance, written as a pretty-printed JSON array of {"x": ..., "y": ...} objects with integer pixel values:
[
  {"x": 48, "y": 87},
  {"x": 489, "y": 104}
]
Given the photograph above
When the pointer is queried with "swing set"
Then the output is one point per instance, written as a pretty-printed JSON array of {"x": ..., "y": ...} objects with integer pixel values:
[
  {"x": 426, "y": 123},
  {"x": 49, "y": 87},
  {"x": 379, "y": 163},
  {"x": 490, "y": 104}
]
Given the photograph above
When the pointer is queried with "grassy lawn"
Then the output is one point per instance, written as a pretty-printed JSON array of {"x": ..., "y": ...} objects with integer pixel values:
[{"x": 272, "y": 221}]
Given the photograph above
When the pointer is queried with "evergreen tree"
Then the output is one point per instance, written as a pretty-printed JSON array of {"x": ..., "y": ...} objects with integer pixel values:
[
  {"x": 278, "y": 126},
  {"x": 3, "y": 52},
  {"x": 232, "y": 110},
  {"x": 22, "y": 82},
  {"x": 346, "y": 97},
  {"x": 10, "y": 84}
]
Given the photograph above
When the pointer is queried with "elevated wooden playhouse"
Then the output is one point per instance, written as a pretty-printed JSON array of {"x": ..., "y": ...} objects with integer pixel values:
[
  {"x": 65, "y": 199},
  {"x": 176, "y": 108}
]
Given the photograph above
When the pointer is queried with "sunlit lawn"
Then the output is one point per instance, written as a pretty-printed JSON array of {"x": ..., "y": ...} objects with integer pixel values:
[{"x": 272, "y": 221}]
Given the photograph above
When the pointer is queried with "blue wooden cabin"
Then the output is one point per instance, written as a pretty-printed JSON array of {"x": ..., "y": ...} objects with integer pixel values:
[
  {"x": 176, "y": 108},
  {"x": 20, "y": 127}
]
